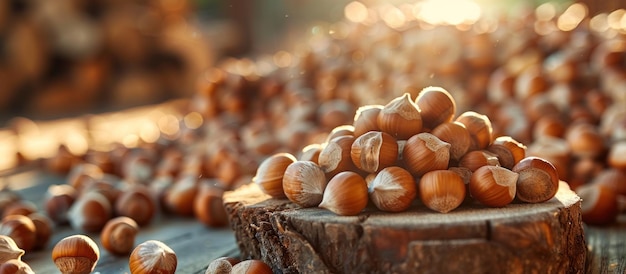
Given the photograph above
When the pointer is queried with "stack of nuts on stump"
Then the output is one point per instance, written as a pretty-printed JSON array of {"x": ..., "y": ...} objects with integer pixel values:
[{"x": 410, "y": 147}]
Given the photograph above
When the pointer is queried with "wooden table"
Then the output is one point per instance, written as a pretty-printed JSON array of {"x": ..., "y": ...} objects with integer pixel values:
[{"x": 196, "y": 245}]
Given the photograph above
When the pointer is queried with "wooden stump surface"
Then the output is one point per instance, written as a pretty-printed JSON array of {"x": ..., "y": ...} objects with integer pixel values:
[{"x": 519, "y": 238}]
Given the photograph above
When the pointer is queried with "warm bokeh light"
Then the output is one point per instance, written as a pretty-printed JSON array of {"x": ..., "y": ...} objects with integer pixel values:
[
  {"x": 571, "y": 17},
  {"x": 355, "y": 12},
  {"x": 392, "y": 16},
  {"x": 599, "y": 23},
  {"x": 193, "y": 120},
  {"x": 545, "y": 12},
  {"x": 168, "y": 124},
  {"x": 615, "y": 18},
  {"x": 282, "y": 59},
  {"x": 447, "y": 12}
]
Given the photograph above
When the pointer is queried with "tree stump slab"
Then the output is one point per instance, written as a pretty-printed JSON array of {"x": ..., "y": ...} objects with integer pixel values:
[{"x": 519, "y": 238}]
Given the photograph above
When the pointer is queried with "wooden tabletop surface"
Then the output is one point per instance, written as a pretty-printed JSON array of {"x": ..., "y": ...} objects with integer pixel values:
[{"x": 197, "y": 245}]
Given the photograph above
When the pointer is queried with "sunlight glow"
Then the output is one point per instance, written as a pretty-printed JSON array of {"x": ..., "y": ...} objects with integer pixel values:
[
  {"x": 571, "y": 17},
  {"x": 447, "y": 12},
  {"x": 355, "y": 12}
]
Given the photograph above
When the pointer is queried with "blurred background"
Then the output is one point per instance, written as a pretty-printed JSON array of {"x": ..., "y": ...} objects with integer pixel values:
[
  {"x": 74, "y": 58},
  {"x": 68, "y": 57}
]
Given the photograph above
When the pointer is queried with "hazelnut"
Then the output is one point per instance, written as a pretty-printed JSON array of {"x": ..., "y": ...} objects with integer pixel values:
[
  {"x": 118, "y": 235},
  {"x": 178, "y": 198},
  {"x": 366, "y": 119},
  {"x": 57, "y": 202},
  {"x": 455, "y": 134},
  {"x": 221, "y": 265},
  {"x": 43, "y": 230},
  {"x": 393, "y": 189},
  {"x": 311, "y": 153},
  {"x": 436, "y": 106},
  {"x": 374, "y": 151},
  {"x": 7, "y": 197},
  {"x": 76, "y": 254},
  {"x": 600, "y": 204},
  {"x": 208, "y": 204},
  {"x": 401, "y": 118},
  {"x": 585, "y": 140},
  {"x": 252, "y": 266},
  {"x": 425, "y": 152},
  {"x": 9, "y": 249},
  {"x": 554, "y": 150},
  {"x": 15, "y": 266},
  {"x": 137, "y": 203},
  {"x": 493, "y": 186},
  {"x": 90, "y": 212},
  {"x": 335, "y": 157},
  {"x": 82, "y": 174},
  {"x": 345, "y": 194},
  {"x": 617, "y": 155},
  {"x": 508, "y": 150},
  {"x": 21, "y": 229},
  {"x": 343, "y": 130},
  {"x": 20, "y": 207},
  {"x": 478, "y": 158},
  {"x": 304, "y": 183},
  {"x": 613, "y": 178},
  {"x": 152, "y": 256},
  {"x": 538, "y": 180},
  {"x": 269, "y": 175},
  {"x": 137, "y": 167},
  {"x": 550, "y": 125},
  {"x": 442, "y": 190},
  {"x": 479, "y": 127}
]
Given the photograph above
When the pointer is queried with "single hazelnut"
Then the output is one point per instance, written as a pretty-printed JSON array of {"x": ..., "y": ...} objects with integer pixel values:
[
  {"x": 345, "y": 194},
  {"x": 401, "y": 118},
  {"x": 9, "y": 249},
  {"x": 76, "y": 254},
  {"x": 436, "y": 106},
  {"x": 57, "y": 202},
  {"x": 178, "y": 198},
  {"x": 442, "y": 190},
  {"x": 585, "y": 140},
  {"x": 21, "y": 229},
  {"x": 343, "y": 130},
  {"x": 137, "y": 203},
  {"x": 82, "y": 174},
  {"x": 251, "y": 266},
  {"x": 152, "y": 256},
  {"x": 508, "y": 150},
  {"x": 479, "y": 127},
  {"x": 118, "y": 235},
  {"x": 7, "y": 197},
  {"x": 20, "y": 207},
  {"x": 374, "y": 151},
  {"x": 550, "y": 125},
  {"x": 335, "y": 156},
  {"x": 269, "y": 175},
  {"x": 538, "y": 180},
  {"x": 43, "y": 230},
  {"x": 600, "y": 204},
  {"x": 311, "y": 153},
  {"x": 613, "y": 178},
  {"x": 137, "y": 167},
  {"x": 425, "y": 152},
  {"x": 221, "y": 265},
  {"x": 366, "y": 119},
  {"x": 208, "y": 204},
  {"x": 304, "y": 183},
  {"x": 493, "y": 186},
  {"x": 90, "y": 212},
  {"x": 617, "y": 155},
  {"x": 15, "y": 266},
  {"x": 455, "y": 134},
  {"x": 555, "y": 150},
  {"x": 478, "y": 158},
  {"x": 393, "y": 189}
]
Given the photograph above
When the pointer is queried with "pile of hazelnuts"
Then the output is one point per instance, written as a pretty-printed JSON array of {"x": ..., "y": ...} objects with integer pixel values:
[{"x": 410, "y": 147}]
